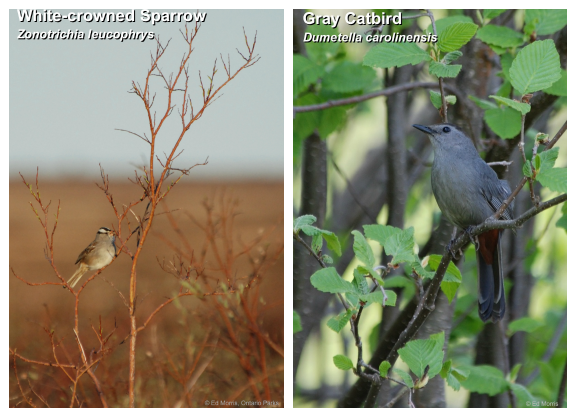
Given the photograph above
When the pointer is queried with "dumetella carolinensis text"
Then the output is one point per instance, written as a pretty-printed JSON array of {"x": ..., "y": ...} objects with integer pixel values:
[{"x": 468, "y": 191}]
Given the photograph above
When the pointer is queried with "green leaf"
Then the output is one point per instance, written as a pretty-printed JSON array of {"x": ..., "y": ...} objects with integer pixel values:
[
  {"x": 556, "y": 179},
  {"x": 405, "y": 376},
  {"x": 316, "y": 244},
  {"x": 384, "y": 368},
  {"x": 318, "y": 234},
  {"x": 523, "y": 395},
  {"x": 376, "y": 297},
  {"x": 362, "y": 249},
  {"x": 485, "y": 379},
  {"x": 296, "y": 324},
  {"x": 328, "y": 280},
  {"x": 419, "y": 269},
  {"x": 343, "y": 362},
  {"x": 340, "y": 321},
  {"x": 525, "y": 324},
  {"x": 418, "y": 354},
  {"x": 443, "y": 23},
  {"x": 305, "y": 220},
  {"x": 305, "y": 72},
  {"x": 546, "y": 21},
  {"x": 500, "y": 36},
  {"x": 548, "y": 158},
  {"x": 514, "y": 372},
  {"x": 505, "y": 122},
  {"x": 537, "y": 66},
  {"x": 444, "y": 71},
  {"x": 322, "y": 52},
  {"x": 455, "y": 36},
  {"x": 397, "y": 243},
  {"x": 527, "y": 169},
  {"x": 492, "y": 13},
  {"x": 360, "y": 283},
  {"x": 537, "y": 162},
  {"x": 560, "y": 87},
  {"x": 506, "y": 62},
  {"x": 505, "y": 89},
  {"x": 332, "y": 118},
  {"x": 401, "y": 246},
  {"x": 452, "y": 278},
  {"x": 451, "y": 56},
  {"x": 369, "y": 271},
  {"x": 436, "y": 99},
  {"x": 434, "y": 262},
  {"x": 306, "y": 123},
  {"x": 348, "y": 77},
  {"x": 521, "y": 107},
  {"x": 332, "y": 242},
  {"x": 563, "y": 221},
  {"x": 483, "y": 104},
  {"x": 553, "y": 178},
  {"x": 388, "y": 55},
  {"x": 453, "y": 376},
  {"x": 380, "y": 233}
]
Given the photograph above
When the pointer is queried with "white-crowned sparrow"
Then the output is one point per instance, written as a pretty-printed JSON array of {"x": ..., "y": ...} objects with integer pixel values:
[{"x": 97, "y": 254}]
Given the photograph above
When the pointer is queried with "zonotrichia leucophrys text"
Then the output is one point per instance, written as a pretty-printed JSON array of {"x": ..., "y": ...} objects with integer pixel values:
[{"x": 97, "y": 254}]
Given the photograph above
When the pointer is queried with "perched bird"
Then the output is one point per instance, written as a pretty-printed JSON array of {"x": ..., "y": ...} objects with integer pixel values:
[{"x": 97, "y": 254}]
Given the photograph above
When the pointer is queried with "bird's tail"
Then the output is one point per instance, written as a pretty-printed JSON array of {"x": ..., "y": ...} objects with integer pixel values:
[
  {"x": 491, "y": 296},
  {"x": 76, "y": 277}
]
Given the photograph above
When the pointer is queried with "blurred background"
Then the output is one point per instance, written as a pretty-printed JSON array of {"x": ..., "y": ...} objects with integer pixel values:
[{"x": 68, "y": 97}]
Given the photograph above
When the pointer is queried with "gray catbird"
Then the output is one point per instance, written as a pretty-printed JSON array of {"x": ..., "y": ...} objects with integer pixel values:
[{"x": 468, "y": 191}]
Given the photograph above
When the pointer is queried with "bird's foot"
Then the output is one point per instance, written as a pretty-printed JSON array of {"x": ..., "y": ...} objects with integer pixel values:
[
  {"x": 473, "y": 239},
  {"x": 455, "y": 255}
]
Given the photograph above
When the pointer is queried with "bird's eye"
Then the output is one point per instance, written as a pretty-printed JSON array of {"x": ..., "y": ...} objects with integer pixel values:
[{"x": 446, "y": 129}]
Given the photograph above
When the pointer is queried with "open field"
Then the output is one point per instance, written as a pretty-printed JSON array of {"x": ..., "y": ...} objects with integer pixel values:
[{"x": 169, "y": 350}]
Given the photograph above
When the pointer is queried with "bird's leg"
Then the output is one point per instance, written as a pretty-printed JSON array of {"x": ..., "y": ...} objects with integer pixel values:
[
  {"x": 449, "y": 247},
  {"x": 473, "y": 239}
]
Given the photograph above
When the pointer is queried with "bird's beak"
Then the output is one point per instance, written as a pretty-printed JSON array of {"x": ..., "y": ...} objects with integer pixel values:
[{"x": 424, "y": 129}]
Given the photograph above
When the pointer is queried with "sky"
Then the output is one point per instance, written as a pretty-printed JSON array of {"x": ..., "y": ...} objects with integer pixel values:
[{"x": 69, "y": 97}]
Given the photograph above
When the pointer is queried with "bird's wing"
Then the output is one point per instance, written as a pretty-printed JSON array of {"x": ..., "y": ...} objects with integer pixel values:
[
  {"x": 89, "y": 249},
  {"x": 495, "y": 193}
]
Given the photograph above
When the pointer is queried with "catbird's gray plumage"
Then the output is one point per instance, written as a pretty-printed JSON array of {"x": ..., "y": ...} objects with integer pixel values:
[{"x": 468, "y": 191}]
